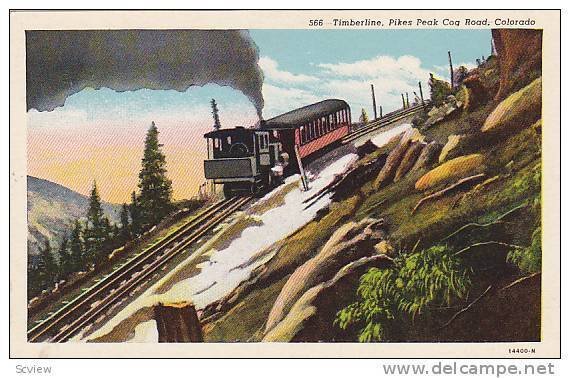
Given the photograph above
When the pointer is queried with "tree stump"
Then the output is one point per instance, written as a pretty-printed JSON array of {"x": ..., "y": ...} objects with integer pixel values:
[{"x": 177, "y": 323}]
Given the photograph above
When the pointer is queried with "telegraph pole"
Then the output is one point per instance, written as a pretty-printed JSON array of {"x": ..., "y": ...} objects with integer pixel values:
[
  {"x": 421, "y": 92},
  {"x": 407, "y": 100},
  {"x": 450, "y": 68},
  {"x": 403, "y": 101},
  {"x": 373, "y": 101},
  {"x": 380, "y": 111}
]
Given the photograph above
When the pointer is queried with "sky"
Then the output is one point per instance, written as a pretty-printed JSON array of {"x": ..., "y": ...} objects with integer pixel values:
[{"x": 99, "y": 134}]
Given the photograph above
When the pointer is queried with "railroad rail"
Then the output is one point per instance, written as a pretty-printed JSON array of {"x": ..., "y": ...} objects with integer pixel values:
[
  {"x": 91, "y": 304},
  {"x": 384, "y": 121}
]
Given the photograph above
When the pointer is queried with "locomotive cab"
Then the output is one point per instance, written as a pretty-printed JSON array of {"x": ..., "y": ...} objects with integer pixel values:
[{"x": 243, "y": 160}]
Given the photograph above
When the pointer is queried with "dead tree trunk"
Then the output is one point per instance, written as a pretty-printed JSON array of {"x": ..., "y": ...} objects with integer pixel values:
[{"x": 177, "y": 323}]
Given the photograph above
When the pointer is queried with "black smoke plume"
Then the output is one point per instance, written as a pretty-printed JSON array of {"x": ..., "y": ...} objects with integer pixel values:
[{"x": 63, "y": 62}]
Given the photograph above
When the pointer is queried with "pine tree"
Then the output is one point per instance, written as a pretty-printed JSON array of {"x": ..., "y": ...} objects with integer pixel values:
[
  {"x": 155, "y": 187},
  {"x": 96, "y": 230},
  {"x": 215, "y": 114},
  {"x": 76, "y": 248},
  {"x": 135, "y": 213},
  {"x": 125, "y": 231},
  {"x": 64, "y": 257},
  {"x": 47, "y": 265},
  {"x": 35, "y": 284},
  {"x": 363, "y": 116}
]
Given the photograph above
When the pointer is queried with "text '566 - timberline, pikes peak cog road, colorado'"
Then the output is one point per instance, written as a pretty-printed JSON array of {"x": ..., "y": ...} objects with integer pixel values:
[{"x": 431, "y": 22}]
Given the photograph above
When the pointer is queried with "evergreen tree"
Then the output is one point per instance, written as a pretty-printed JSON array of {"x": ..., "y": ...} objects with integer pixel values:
[
  {"x": 215, "y": 114},
  {"x": 125, "y": 231},
  {"x": 155, "y": 187},
  {"x": 135, "y": 213},
  {"x": 76, "y": 248},
  {"x": 363, "y": 116},
  {"x": 96, "y": 230},
  {"x": 35, "y": 284},
  {"x": 47, "y": 265},
  {"x": 64, "y": 256},
  {"x": 439, "y": 90}
]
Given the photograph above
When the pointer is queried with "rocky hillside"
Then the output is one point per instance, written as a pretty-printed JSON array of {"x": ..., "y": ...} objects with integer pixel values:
[
  {"x": 52, "y": 208},
  {"x": 435, "y": 236}
]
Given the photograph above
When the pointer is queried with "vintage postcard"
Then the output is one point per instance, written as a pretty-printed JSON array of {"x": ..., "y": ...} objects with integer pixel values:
[{"x": 285, "y": 184}]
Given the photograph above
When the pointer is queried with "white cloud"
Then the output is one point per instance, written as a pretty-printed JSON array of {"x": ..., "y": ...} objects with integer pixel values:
[
  {"x": 379, "y": 66},
  {"x": 350, "y": 81},
  {"x": 280, "y": 100},
  {"x": 272, "y": 72},
  {"x": 391, "y": 77}
]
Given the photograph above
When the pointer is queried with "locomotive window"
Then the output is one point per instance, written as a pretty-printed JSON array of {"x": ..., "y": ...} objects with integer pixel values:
[{"x": 216, "y": 143}]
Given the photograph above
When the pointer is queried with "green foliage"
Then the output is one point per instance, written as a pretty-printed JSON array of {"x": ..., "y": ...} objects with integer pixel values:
[
  {"x": 215, "y": 114},
  {"x": 76, "y": 247},
  {"x": 96, "y": 233},
  {"x": 528, "y": 259},
  {"x": 125, "y": 231},
  {"x": 47, "y": 265},
  {"x": 64, "y": 256},
  {"x": 417, "y": 282},
  {"x": 136, "y": 216},
  {"x": 439, "y": 90},
  {"x": 155, "y": 188}
]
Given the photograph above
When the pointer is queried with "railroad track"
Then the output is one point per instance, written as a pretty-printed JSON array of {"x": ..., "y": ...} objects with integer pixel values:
[
  {"x": 384, "y": 121},
  {"x": 91, "y": 304}
]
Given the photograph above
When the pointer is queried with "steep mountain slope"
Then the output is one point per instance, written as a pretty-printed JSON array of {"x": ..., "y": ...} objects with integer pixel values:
[{"x": 52, "y": 209}]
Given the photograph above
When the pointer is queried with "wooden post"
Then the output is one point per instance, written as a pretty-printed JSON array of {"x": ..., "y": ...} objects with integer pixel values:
[
  {"x": 450, "y": 68},
  {"x": 407, "y": 100},
  {"x": 421, "y": 92},
  {"x": 177, "y": 323},
  {"x": 380, "y": 111},
  {"x": 373, "y": 101},
  {"x": 403, "y": 101},
  {"x": 304, "y": 179}
]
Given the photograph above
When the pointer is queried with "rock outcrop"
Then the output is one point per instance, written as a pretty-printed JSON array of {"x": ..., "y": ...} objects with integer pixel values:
[
  {"x": 427, "y": 157},
  {"x": 519, "y": 52},
  {"x": 451, "y": 170},
  {"x": 311, "y": 317},
  {"x": 409, "y": 159},
  {"x": 518, "y": 110},
  {"x": 349, "y": 243},
  {"x": 452, "y": 142},
  {"x": 476, "y": 93},
  {"x": 388, "y": 171}
]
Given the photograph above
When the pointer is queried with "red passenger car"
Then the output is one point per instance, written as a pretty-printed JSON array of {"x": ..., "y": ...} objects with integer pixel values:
[{"x": 311, "y": 128}]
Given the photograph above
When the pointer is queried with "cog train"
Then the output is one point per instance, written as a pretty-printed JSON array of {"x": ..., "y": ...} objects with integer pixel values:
[{"x": 252, "y": 160}]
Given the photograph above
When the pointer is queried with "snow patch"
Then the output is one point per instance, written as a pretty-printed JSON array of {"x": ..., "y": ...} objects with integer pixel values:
[
  {"x": 384, "y": 137},
  {"x": 227, "y": 268}
]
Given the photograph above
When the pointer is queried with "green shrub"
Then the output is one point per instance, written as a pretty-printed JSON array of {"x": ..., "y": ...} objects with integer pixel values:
[
  {"x": 439, "y": 90},
  {"x": 528, "y": 259},
  {"x": 417, "y": 283}
]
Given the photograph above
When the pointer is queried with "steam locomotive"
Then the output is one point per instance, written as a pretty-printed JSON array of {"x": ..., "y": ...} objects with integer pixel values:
[{"x": 250, "y": 160}]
